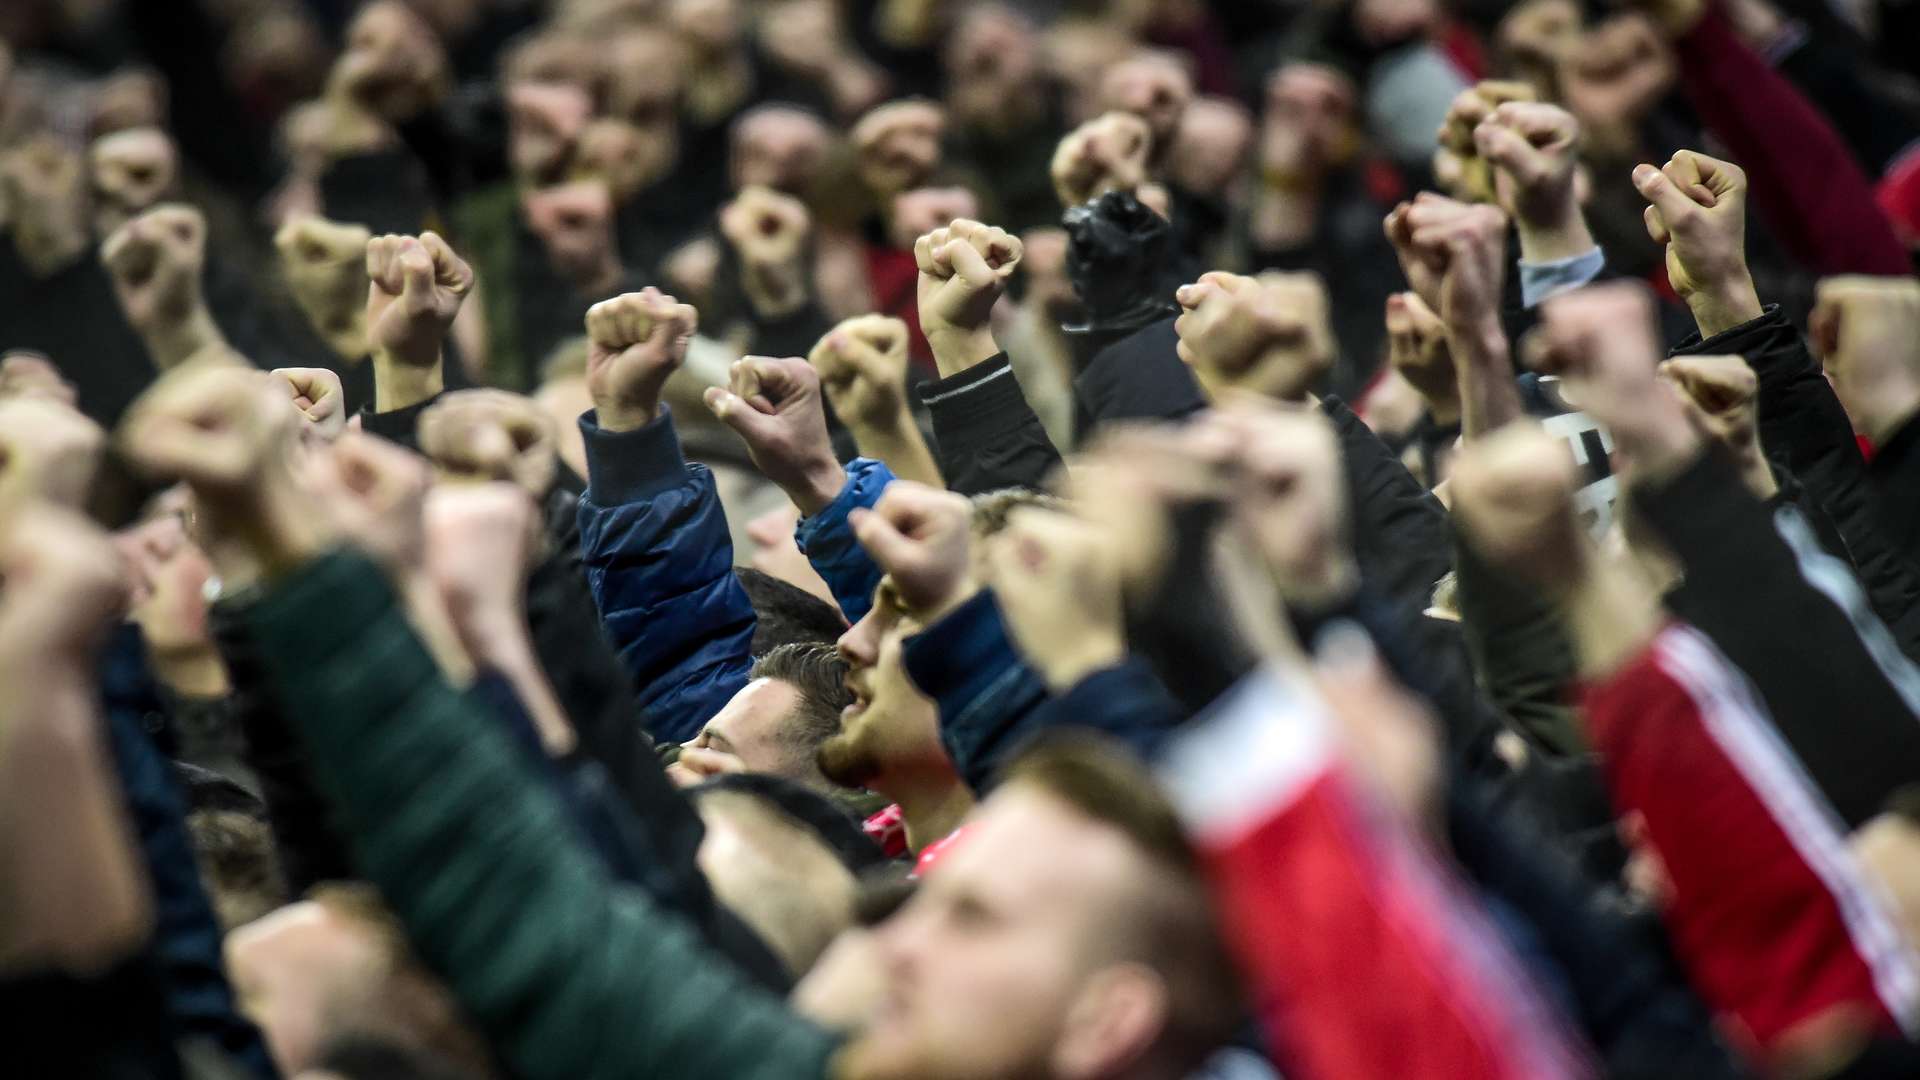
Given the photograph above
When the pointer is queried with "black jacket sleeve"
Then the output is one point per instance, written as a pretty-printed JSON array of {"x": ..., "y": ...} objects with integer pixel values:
[
  {"x": 1794, "y": 619},
  {"x": 1400, "y": 532},
  {"x": 1139, "y": 377},
  {"x": 1801, "y": 422},
  {"x": 986, "y": 434}
]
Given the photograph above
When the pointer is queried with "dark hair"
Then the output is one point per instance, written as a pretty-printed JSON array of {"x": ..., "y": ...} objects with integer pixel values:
[
  {"x": 806, "y": 809},
  {"x": 238, "y": 862},
  {"x": 992, "y": 508},
  {"x": 818, "y": 673},
  {"x": 370, "y": 1057},
  {"x": 787, "y": 613}
]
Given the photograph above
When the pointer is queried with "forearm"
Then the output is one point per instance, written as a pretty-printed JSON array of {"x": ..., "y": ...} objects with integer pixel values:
[
  {"x": 399, "y": 384},
  {"x": 898, "y": 442},
  {"x": 1610, "y": 615},
  {"x": 500, "y": 643},
  {"x": 1489, "y": 397},
  {"x": 174, "y": 343}
]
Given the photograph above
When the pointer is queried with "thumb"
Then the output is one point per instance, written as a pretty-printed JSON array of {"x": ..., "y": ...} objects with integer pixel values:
[
  {"x": 970, "y": 265},
  {"x": 888, "y": 546},
  {"x": 1675, "y": 206},
  {"x": 732, "y": 410}
]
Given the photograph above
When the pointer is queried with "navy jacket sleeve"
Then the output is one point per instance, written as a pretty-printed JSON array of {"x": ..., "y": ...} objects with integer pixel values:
[
  {"x": 659, "y": 562},
  {"x": 987, "y": 435},
  {"x": 826, "y": 539}
]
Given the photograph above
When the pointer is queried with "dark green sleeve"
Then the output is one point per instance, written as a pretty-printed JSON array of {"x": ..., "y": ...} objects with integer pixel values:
[
  {"x": 568, "y": 974},
  {"x": 1520, "y": 651}
]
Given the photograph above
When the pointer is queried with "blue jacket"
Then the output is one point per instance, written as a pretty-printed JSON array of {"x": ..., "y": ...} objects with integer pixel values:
[
  {"x": 826, "y": 539},
  {"x": 659, "y": 561}
]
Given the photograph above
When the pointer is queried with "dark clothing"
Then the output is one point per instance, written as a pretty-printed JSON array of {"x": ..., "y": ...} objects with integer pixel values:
[
  {"x": 1793, "y": 618},
  {"x": 987, "y": 436}
]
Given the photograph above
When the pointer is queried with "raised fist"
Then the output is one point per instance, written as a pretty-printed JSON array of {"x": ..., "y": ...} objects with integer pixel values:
[
  {"x": 62, "y": 584},
  {"x": 1471, "y": 108},
  {"x": 1290, "y": 494},
  {"x": 393, "y": 64},
  {"x": 634, "y": 342},
  {"x": 898, "y": 145},
  {"x": 920, "y": 537},
  {"x": 156, "y": 260},
  {"x": 544, "y": 120},
  {"x": 491, "y": 435},
  {"x": 1152, "y": 86},
  {"x": 1417, "y": 349},
  {"x": 1057, "y": 579},
  {"x": 130, "y": 171},
  {"x": 1866, "y": 331},
  {"x": 575, "y": 223},
  {"x": 1531, "y": 147},
  {"x": 1267, "y": 336},
  {"x": 1454, "y": 255},
  {"x": 480, "y": 542},
  {"x": 1602, "y": 339},
  {"x": 1108, "y": 153},
  {"x": 863, "y": 366},
  {"x": 963, "y": 271},
  {"x": 1699, "y": 211},
  {"x": 373, "y": 491},
  {"x": 48, "y": 452},
  {"x": 415, "y": 287},
  {"x": 317, "y": 397},
  {"x": 774, "y": 404},
  {"x": 27, "y": 374},
  {"x": 325, "y": 265},
  {"x": 769, "y": 230},
  {"x": 1721, "y": 395},
  {"x": 225, "y": 430},
  {"x": 1513, "y": 498}
]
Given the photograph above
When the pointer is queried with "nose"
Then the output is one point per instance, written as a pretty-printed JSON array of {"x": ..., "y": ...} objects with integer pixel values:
[{"x": 860, "y": 645}]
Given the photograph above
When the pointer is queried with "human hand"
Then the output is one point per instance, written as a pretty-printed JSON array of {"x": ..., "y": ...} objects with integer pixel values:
[
  {"x": 1721, "y": 396},
  {"x": 770, "y": 231},
  {"x": 774, "y": 405},
  {"x": 1130, "y": 482},
  {"x": 325, "y": 266},
  {"x": 415, "y": 288},
  {"x": 480, "y": 542},
  {"x": 1531, "y": 147},
  {"x": 1417, "y": 349},
  {"x": 920, "y": 538},
  {"x": 897, "y": 146},
  {"x": 318, "y": 398},
  {"x": 393, "y": 64},
  {"x": 574, "y": 221},
  {"x": 1057, "y": 580},
  {"x": 130, "y": 171},
  {"x": 1266, "y": 336},
  {"x": 373, "y": 492},
  {"x": 48, "y": 453},
  {"x": 24, "y": 373},
  {"x": 490, "y": 435},
  {"x": 963, "y": 271},
  {"x": 156, "y": 261},
  {"x": 1601, "y": 339},
  {"x": 1455, "y": 256},
  {"x": 1289, "y": 493},
  {"x": 544, "y": 121},
  {"x": 1471, "y": 108},
  {"x": 1108, "y": 153},
  {"x": 1699, "y": 211},
  {"x": 1866, "y": 331},
  {"x": 62, "y": 588},
  {"x": 634, "y": 342},
  {"x": 862, "y": 364},
  {"x": 44, "y": 195},
  {"x": 1513, "y": 498}
]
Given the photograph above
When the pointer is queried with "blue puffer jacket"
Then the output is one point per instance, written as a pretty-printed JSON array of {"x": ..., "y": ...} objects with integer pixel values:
[
  {"x": 653, "y": 538},
  {"x": 826, "y": 539}
]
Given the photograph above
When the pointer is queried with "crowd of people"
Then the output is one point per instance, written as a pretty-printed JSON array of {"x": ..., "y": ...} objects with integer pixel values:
[{"x": 960, "y": 539}]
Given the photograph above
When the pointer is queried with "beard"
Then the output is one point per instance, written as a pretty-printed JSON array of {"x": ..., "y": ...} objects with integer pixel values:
[{"x": 849, "y": 758}]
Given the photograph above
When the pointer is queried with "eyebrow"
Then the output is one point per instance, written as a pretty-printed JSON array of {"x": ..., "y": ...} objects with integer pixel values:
[{"x": 718, "y": 741}]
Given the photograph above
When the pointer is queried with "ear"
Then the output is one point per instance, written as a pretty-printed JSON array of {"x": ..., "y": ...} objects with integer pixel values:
[{"x": 1113, "y": 1021}]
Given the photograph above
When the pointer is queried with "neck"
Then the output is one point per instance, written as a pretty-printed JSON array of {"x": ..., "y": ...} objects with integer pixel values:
[{"x": 930, "y": 806}]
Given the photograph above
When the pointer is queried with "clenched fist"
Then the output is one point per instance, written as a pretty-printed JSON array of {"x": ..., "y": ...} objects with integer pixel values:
[
  {"x": 1513, "y": 498},
  {"x": 318, "y": 398},
  {"x": 62, "y": 587},
  {"x": 156, "y": 261},
  {"x": 1602, "y": 339},
  {"x": 1290, "y": 496},
  {"x": 897, "y": 145},
  {"x": 225, "y": 430},
  {"x": 1057, "y": 578},
  {"x": 24, "y": 373},
  {"x": 1721, "y": 395},
  {"x": 1866, "y": 331},
  {"x": 490, "y": 435},
  {"x": 1108, "y": 153},
  {"x": 1267, "y": 336},
  {"x": 769, "y": 230},
  {"x": 1460, "y": 150},
  {"x": 130, "y": 171},
  {"x": 863, "y": 366},
  {"x": 963, "y": 271},
  {"x": 1531, "y": 147},
  {"x": 415, "y": 288},
  {"x": 325, "y": 264},
  {"x": 774, "y": 404},
  {"x": 1699, "y": 211},
  {"x": 921, "y": 538},
  {"x": 1454, "y": 255},
  {"x": 1417, "y": 349},
  {"x": 48, "y": 452},
  {"x": 634, "y": 342}
]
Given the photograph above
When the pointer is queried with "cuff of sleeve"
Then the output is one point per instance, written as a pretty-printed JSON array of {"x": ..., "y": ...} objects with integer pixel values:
[
  {"x": 1541, "y": 280},
  {"x": 980, "y": 393},
  {"x": 397, "y": 425},
  {"x": 630, "y": 466},
  {"x": 866, "y": 479},
  {"x": 1732, "y": 339},
  {"x": 959, "y": 656}
]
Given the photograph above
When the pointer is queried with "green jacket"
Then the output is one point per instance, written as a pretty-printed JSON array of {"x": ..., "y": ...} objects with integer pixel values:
[{"x": 567, "y": 973}]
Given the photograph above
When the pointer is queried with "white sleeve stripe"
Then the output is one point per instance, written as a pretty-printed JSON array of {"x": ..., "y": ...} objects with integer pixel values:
[{"x": 935, "y": 399}]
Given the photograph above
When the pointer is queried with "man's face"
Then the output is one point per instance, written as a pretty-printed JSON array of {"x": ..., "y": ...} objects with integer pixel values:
[
  {"x": 779, "y": 148},
  {"x": 987, "y": 965},
  {"x": 891, "y": 728},
  {"x": 749, "y": 735}
]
